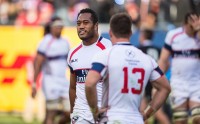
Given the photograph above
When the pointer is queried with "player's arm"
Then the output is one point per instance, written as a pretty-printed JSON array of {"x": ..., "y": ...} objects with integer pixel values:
[
  {"x": 39, "y": 60},
  {"x": 90, "y": 88},
  {"x": 163, "y": 89},
  {"x": 164, "y": 59},
  {"x": 72, "y": 90}
]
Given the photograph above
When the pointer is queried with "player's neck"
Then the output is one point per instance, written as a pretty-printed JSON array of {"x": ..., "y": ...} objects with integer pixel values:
[
  {"x": 121, "y": 40},
  {"x": 91, "y": 41},
  {"x": 55, "y": 36}
]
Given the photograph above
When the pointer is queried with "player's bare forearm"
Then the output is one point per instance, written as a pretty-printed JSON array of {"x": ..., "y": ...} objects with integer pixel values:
[
  {"x": 72, "y": 96},
  {"x": 91, "y": 95},
  {"x": 39, "y": 60},
  {"x": 72, "y": 91},
  {"x": 91, "y": 91},
  {"x": 159, "y": 98}
]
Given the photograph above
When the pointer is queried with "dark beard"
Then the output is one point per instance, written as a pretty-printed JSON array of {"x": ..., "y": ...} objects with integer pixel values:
[{"x": 86, "y": 39}]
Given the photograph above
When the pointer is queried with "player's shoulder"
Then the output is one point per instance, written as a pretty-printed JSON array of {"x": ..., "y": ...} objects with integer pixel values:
[
  {"x": 175, "y": 31},
  {"x": 106, "y": 42},
  {"x": 75, "y": 49},
  {"x": 47, "y": 38}
]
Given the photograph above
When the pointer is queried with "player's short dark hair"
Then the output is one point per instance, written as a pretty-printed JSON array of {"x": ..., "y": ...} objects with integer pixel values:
[
  {"x": 188, "y": 15},
  {"x": 120, "y": 25},
  {"x": 92, "y": 12},
  {"x": 148, "y": 33}
]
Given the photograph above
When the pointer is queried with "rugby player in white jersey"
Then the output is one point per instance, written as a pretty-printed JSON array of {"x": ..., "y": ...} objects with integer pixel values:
[
  {"x": 51, "y": 59},
  {"x": 125, "y": 71},
  {"x": 79, "y": 61},
  {"x": 183, "y": 45}
]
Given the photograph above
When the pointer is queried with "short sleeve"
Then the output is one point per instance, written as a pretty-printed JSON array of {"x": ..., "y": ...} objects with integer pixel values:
[
  {"x": 168, "y": 41},
  {"x": 99, "y": 62},
  {"x": 68, "y": 61},
  {"x": 156, "y": 72},
  {"x": 42, "y": 48}
]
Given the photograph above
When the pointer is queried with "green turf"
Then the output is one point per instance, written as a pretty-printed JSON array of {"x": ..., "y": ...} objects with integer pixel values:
[
  {"x": 17, "y": 119},
  {"x": 14, "y": 119}
]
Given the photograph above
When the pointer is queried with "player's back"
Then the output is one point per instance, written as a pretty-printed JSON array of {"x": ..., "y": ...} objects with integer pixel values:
[{"x": 129, "y": 70}]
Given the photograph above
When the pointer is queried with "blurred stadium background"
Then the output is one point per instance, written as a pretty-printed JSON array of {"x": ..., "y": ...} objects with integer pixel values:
[{"x": 21, "y": 29}]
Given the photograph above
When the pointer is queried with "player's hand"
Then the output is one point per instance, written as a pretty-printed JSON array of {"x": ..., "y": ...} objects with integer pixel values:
[
  {"x": 98, "y": 113},
  {"x": 194, "y": 21},
  {"x": 34, "y": 91},
  {"x": 144, "y": 116}
]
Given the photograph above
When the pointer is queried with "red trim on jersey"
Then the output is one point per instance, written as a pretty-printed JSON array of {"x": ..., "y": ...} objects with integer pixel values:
[
  {"x": 75, "y": 51},
  {"x": 99, "y": 44},
  {"x": 175, "y": 35},
  {"x": 50, "y": 42}
]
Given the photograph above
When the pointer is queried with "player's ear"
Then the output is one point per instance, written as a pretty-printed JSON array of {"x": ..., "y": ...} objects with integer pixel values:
[
  {"x": 96, "y": 26},
  {"x": 110, "y": 33}
]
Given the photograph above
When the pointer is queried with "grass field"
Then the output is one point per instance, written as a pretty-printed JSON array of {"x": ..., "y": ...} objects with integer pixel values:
[{"x": 10, "y": 118}]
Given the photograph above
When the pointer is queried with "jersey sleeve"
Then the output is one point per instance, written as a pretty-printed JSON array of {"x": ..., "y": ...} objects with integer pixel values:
[
  {"x": 69, "y": 63},
  {"x": 99, "y": 62},
  {"x": 156, "y": 72},
  {"x": 42, "y": 47},
  {"x": 168, "y": 41}
]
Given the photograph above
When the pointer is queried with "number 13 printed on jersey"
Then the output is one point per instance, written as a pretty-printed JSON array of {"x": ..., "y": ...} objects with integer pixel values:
[{"x": 125, "y": 88}]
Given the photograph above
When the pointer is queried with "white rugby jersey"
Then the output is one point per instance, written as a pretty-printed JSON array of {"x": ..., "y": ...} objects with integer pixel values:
[
  {"x": 126, "y": 71},
  {"x": 55, "y": 51},
  {"x": 185, "y": 52},
  {"x": 79, "y": 61}
]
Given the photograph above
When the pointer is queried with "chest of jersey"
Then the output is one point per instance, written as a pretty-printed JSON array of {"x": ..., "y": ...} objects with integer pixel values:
[
  {"x": 184, "y": 42},
  {"x": 58, "y": 47},
  {"x": 83, "y": 57}
]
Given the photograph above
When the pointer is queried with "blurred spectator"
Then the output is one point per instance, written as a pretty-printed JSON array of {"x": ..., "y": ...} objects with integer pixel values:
[
  {"x": 30, "y": 13},
  {"x": 195, "y": 5},
  {"x": 34, "y": 12},
  {"x": 4, "y": 8},
  {"x": 174, "y": 10},
  {"x": 133, "y": 10},
  {"x": 104, "y": 10},
  {"x": 46, "y": 12},
  {"x": 149, "y": 21},
  {"x": 8, "y": 11},
  {"x": 74, "y": 10}
]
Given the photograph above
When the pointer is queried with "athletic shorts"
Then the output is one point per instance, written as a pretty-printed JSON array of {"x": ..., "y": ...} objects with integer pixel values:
[
  {"x": 121, "y": 119},
  {"x": 182, "y": 91},
  {"x": 55, "y": 87}
]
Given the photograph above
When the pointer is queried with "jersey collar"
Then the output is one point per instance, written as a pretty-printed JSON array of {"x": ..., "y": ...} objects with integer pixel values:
[{"x": 123, "y": 43}]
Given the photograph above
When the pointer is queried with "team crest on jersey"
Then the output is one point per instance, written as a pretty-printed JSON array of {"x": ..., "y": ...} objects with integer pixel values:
[
  {"x": 74, "y": 119},
  {"x": 130, "y": 53}
]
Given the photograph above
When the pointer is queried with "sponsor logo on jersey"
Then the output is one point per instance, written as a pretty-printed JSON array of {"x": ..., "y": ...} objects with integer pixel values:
[
  {"x": 81, "y": 75},
  {"x": 74, "y": 60}
]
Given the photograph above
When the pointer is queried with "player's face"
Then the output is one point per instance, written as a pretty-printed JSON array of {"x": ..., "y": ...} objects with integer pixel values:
[
  {"x": 56, "y": 30},
  {"x": 85, "y": 26}
]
